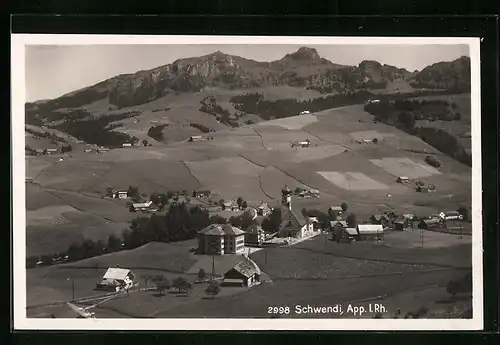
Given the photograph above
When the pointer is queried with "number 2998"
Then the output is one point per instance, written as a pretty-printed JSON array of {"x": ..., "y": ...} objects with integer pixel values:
[{"x": 278, "y": 310}]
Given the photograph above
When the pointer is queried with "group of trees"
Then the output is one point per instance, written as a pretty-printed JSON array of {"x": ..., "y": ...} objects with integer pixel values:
[
  {"x": 209, "y": 105},
  {"x": 181, "y": 284},
  {"x": 403, "y": 114},
  {"x": 96, "y": 130},
  {"x": 433, "y": 161},
  {"x": 156, "y": 132},
  {"x": 202, "y": 128}
]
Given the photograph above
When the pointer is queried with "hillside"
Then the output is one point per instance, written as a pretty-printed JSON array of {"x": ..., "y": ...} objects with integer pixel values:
[{"x": 203, "y": 94}]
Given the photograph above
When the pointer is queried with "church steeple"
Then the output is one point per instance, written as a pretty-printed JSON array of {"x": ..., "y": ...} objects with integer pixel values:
[{"x": 286, "y": 197}]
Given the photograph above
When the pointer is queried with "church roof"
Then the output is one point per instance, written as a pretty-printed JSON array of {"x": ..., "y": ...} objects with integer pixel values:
[{"x": 297, "y": 215}]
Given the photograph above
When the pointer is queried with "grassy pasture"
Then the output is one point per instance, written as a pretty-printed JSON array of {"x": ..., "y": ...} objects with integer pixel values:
[
  {"x": 278, "y": 139},
  {"x": 229, "y": 177},
  {"x": 291, "y": 123},
  {"x": 35, "y": 165},
  {"x": 37, "y": 198}
]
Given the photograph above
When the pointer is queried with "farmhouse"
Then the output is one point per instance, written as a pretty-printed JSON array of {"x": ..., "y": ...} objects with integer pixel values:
[
  {"x": 50, "y": 151},
  {"x": 201, "y": 194},
  {"x": 403, "y": 179},
  {"x": 292, "y": 224},
  {"x": 335, "y": 212},
  {"x": 403, "y": 222},
  {"x": 370, "y": 231},
  {"x": 102, "y": 149},
  {"x": 264, "y": 209},
  {"x": 116, "y": 279},
  {"x": 230, "y": 205},
  {"x": 195, "y": 138},
  {"x": 432, "y": 223},
  {"x": 120, "y": 194},
  {"x": 345, "y": 235},
  {"x": 126, "y": 145},
  {"x": 245, "y": 273},
  {"x": 305, "y": 112},
  {"x": 451, "y": 215},
  {"x": 254, "y": 235},
  {"x": 87, "y": 150},
  {"x": 220, "y": 239},
  {"x": 380, "y": 219},
  {"x": 142, "y": 206},
  {"x": 314, "y": 193},
  {"x": 303, "y": 143}
]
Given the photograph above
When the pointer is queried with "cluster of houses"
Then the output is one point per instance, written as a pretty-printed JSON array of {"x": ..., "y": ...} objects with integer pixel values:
[
  {"x": 302, "y": 143},
  {"x": 50, "y": 151}
]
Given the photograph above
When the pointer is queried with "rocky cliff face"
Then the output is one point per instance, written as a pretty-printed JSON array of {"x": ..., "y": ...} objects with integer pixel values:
[
  {"x": 304, "y": 68},
  {"x": 445, "y": 75}
]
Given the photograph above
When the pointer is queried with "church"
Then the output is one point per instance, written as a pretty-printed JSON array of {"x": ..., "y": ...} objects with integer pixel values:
[{"x": 292, "y": 224}]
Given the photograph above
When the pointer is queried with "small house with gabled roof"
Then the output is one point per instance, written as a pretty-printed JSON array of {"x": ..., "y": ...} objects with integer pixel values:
[{"x": 245, "y": 273}]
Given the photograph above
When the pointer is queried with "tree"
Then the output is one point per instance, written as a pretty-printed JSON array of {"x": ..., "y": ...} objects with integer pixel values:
[
  {"x": 201, "y": 275},
  {"x": 133, "y": 192},
  {"x": 239, "y": 201},
  {"x": 344, "y": 206},
  {"x": 465, "y": 212},
  {"x": 162, "y": 283},
  {"x": 114, "y": 243},
  {"x": 375, "y": 140},
  {"x": 181, "y": 283},
  {"x": 272, "y": 222},
  {"x": 221, "y": 202},
  {"x": 109, "y": 192},
  {"x": 213, "y": 288},
  {"x": 351, "y": 220},
  {"x": 145, "y": 142},
  {"x": 419, "y": 184},
  {"x": 298, "y": 190},
  {"x": 244, "y": 204},
  {"x": 216, "y": 219}
]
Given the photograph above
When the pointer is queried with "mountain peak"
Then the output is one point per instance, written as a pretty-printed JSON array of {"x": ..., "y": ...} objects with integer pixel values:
[{"x": 305, "y": 53}]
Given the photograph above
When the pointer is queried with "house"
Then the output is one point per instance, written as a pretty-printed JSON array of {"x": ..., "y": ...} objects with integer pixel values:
[
  {"x": 230, "y": 205},
  {"x": 195, "y": 138},
  {"x": 126, "y": 145},
  {"x": 245, "y": 273},
  {"x": 292, "y": 224},
  {"x": 431, "y": 223},
  {"x": 264, "y": 209},
  {"x": 370, "y": 231},
  {"x": 201, "y": 193},
  {"x": 335, "y": 212},
  {"x": 336, "y": 226},
  {"x": 87, "y": 150},
  {"x": 314, "y": 193},
  {"x": 116, "y": 279},
  {"x": 102, "y": 149},
  {"x": 303, "y": 143},
  {"x": 254, "y": 235},
  {"x": 120, "y": 194},
  {"x": 403, "y": 179},
  {"x": 50, "y": 151},
  {"x": 380, "y": 219},
  {"x": 403, "y": 222},
  {"x": 220, "y": 239},
  {"x": 141, "y": 206},
  {"x": 345, "y": 235},
  {"x": 305, "y": 112},
  {"x": 367, "y": 141},
  {"x": 451, "y": 215}
]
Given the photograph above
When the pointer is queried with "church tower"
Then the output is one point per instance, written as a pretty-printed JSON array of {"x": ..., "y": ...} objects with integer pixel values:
[{"x": 286, "y": 197}]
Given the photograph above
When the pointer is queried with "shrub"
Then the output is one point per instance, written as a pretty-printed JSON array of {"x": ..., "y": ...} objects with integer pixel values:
[
  {"x": 433, "y": 161},
  {"x": 213, "y": 288}
]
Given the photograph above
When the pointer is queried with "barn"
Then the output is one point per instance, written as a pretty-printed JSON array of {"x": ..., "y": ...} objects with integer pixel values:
[
  {"x": 116, "y": 279},
  {"x": 370, "y": 232},
  {"x": 245, "y": 273}
]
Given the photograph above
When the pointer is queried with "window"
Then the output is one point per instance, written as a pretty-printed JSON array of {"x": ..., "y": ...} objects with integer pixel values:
[{"x": 289, "y": 223}]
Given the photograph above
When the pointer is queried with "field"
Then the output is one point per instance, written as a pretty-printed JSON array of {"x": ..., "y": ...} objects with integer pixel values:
[{"x": 405, "y": 167}]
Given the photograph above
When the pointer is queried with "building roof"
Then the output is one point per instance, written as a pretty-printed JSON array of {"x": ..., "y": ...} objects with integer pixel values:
[
  {"x": 336, "y": 208},
  {"x": 365, "y": 229},
  {"x": 254, "y": 229},
  {"x": 343, "y": 223},
  {"x": 298, "y": 215},
  {"x": 431, "y": 221},
  {"x": 201, "y": 191},
  {"x": 379, "y": 216},
  {"x": 264, "y": 205},
  {"x": 351, "y": 231},
  {"x": 247, "y": 268},
  {"x": 142, "y": 204},
  {"x": 116, "y": 273},
  {"x": 403, "y": 178},
  {"x": 452, "y": 213},
  {"x": 313, "y": 219},
  {"x": 221, "y": 230}
]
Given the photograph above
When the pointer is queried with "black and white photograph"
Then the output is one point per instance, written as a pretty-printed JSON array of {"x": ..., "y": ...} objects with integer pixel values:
[{"x": 271, "y": 183}]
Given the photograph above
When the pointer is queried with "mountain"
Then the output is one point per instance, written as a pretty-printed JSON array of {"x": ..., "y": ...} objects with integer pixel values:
[
  {"x": 453, "y": 75},
  {"x": 303, "y": 68}
]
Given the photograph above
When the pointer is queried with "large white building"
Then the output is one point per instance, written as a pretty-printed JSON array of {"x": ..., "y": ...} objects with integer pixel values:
[{"x": 220, "y": 239}]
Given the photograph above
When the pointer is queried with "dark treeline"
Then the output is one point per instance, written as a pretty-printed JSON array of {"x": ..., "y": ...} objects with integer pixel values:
[
  {"x": 404, "y": 114},
  {"x": 202, "y": 128},
  {"x": 156, "y": 132},
  {"x": 47, "y": 135},
  {"x": 254, "y": 103},
  {"x": 209, "y": 105},
  {"x": 95, "y": 130}
]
